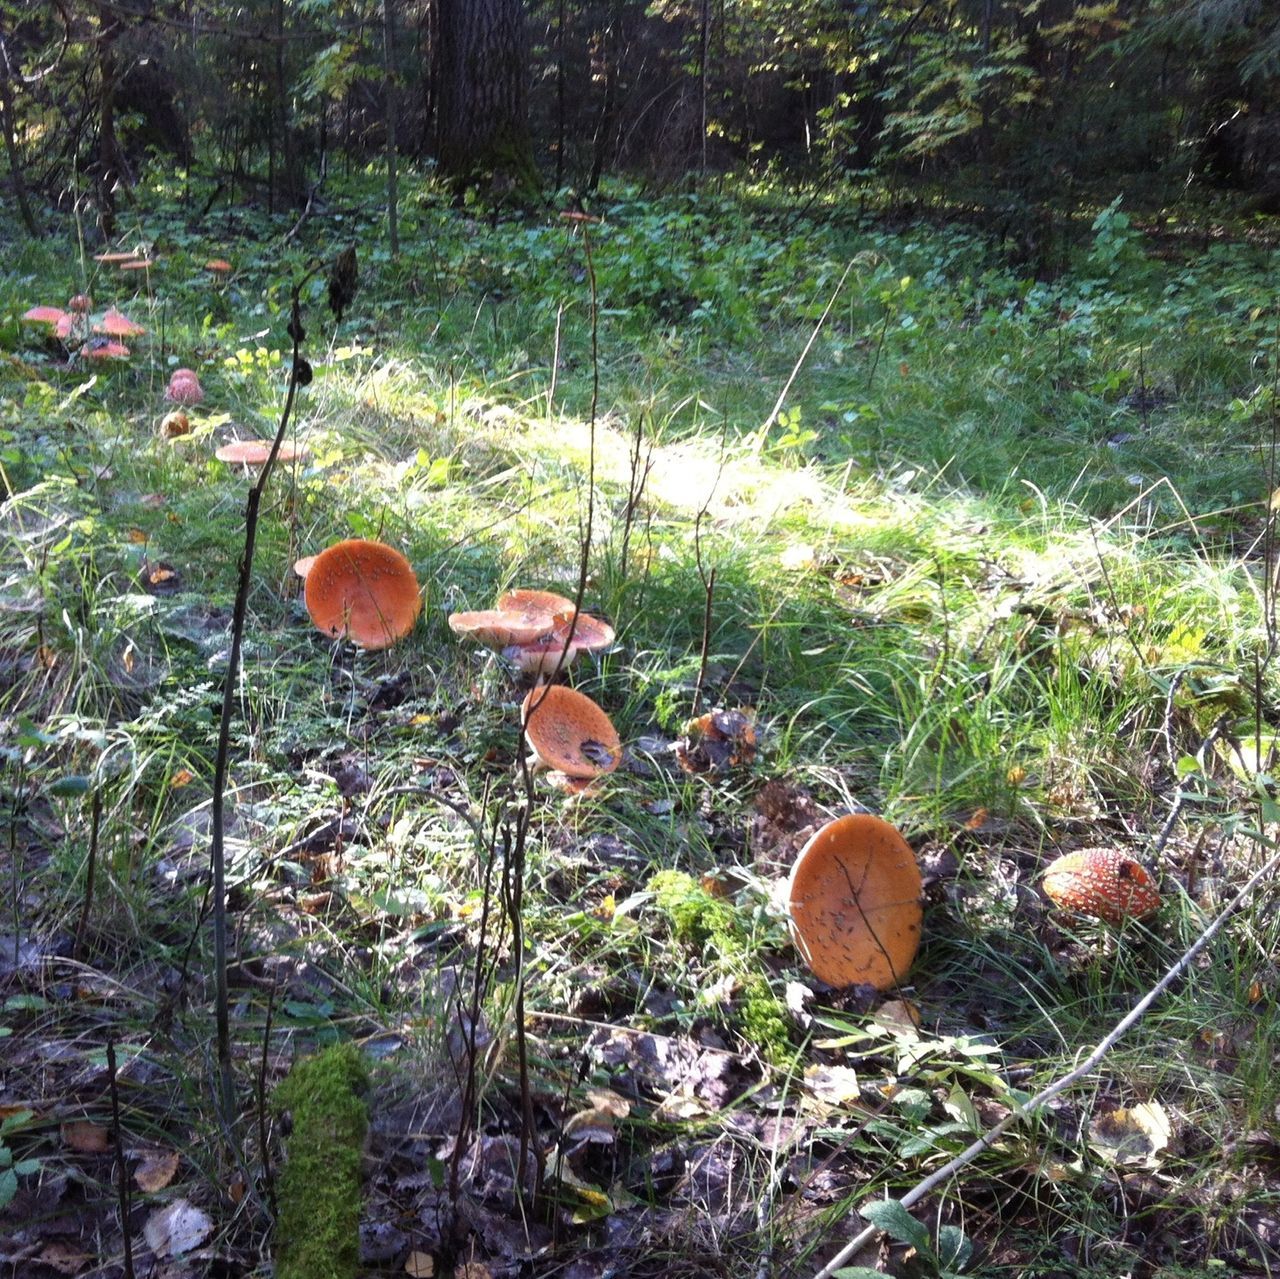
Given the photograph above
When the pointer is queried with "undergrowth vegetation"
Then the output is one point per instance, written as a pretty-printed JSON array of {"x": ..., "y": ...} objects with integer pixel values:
[{"x": 999, "y": 566}]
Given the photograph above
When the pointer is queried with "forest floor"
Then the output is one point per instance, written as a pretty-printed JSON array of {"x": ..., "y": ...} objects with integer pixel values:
[{"x": 991, "y": 556}]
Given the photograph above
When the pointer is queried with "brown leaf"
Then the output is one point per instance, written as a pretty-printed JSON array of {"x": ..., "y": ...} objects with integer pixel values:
[
  {"x": 420, "y": 1265},
  {"x": 86, "y": 1137},
  {"x": 64, "y": 1258},
  {"x": 157, "y": 1170},
  {"x": 183, "y": 777}
]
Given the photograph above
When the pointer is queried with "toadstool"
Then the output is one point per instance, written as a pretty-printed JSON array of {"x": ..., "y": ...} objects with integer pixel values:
[
  {"x": 568, "y": 732},
  {"x": 256, "y": 452},
  {"x": 1101, "y": 882},
  {"x": 365, "y": 591},
  {"x": 44, "y": 315},
  {"x": 118, "y": 325},
  {"x": 854, "y": 903},
  {"x": 184, "y": 388}
]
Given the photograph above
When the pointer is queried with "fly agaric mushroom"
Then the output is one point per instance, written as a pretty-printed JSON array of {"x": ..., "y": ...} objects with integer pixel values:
[
  {"x": 568, "y": 733},
  {"x": 1101, "y": 882},
  {"x": 219, "y": 266},
  {"x": 103, "y": 348},
  {"x": 82, "y": 304},
  {"x": 854, "y": 903},
  {"x": 534, "y": 603},
  {"x": 365, "y": 591},
  {"x": 118, "y": 325},
  {"x": 184, "y": 388},
  {"x": 555, "y": 650},
  {"x": 174, "y": 425},
  {"x": 535, "y": 630},
  {"x": 256, "y": 452},
  {"x": 51, "y": 315}
]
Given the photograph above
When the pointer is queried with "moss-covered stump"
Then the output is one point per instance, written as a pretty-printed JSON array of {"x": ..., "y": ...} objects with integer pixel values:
[{"x": 318, "y": 1193}]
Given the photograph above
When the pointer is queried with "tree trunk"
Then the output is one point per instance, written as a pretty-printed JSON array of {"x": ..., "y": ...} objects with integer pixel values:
[
  {"x": 108, "y": 165},
  {"x": 11, "y": 147},
  {"x": 484, "y": 137}
]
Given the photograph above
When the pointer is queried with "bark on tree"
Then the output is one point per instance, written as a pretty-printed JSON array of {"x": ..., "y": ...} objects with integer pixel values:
[{"x": 484, "y": 137}]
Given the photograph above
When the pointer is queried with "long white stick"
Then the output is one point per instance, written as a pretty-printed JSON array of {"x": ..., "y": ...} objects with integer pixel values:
[
  {"x": 763, "y": 432},
  {"x": 1135, "y": 1014}
]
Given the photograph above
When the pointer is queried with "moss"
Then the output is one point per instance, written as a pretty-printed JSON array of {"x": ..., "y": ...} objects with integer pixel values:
[
  {"x": 697, "y": 917},
  {"x": 317, "y": 1230}
]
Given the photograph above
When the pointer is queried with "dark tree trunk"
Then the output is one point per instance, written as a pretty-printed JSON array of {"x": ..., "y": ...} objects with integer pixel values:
[
  {"x": 108, "y": 164},
  {"x": 12, "y": 153},
  {"x": 483, "y": 124}
]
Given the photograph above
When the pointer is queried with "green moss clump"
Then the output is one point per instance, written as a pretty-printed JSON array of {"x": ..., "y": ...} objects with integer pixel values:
[
  {"x": 318, "y": 1227},
  {"x": 693, "y": 914},
  {"x": 697, "y": 917}
]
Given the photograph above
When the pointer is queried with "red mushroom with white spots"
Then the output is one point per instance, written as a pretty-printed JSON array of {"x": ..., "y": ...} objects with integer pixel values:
[{"x": 1102, "y": 883}]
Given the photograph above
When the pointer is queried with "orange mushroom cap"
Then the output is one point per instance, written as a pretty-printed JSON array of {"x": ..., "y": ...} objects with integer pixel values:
[
  {"x": 44, "y": 315},
  {"x": 854, "y": 901},
  {"x": 219, "y": 266},
  {"x": 569, "y": 733},
  {"x": 136, "y": 264},
  {"x": 102, "y": 348},
  {"x": 117, "y": 255},
  {"x": 118, "y": 325},
  {"x": 83, "y": 303},
  {"x": 175, "y": 424},
  {"x": 1101, "y": 882},
  {"x": 496, "y": 629},
  {"x": 541, "y": 656},
  {"x": 256, "y": 452},
  {"x": 590, "y": 633},
  {"x": 363, "y": 590},
  {"x": 534, "y": 604}
]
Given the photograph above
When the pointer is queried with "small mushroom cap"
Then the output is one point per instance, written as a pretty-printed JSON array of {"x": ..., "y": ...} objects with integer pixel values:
[
  {"x": 569, "y": 733},
  {"x": 854, "y": 902},
  {"x": 102, "y": 348},
  {"x": 83, "y": 303},
  {"x": 590, "y": 633},
  {"x": 541, "y": 656},
  {"x": 118, "y": 325},
  {"x": 118, "y": 255},
  {"x": 1101, "y": 882},
  {"x": 175, "y": 424},
  {"x": 184, "y": 387},
  {"x": 256, "y": 452},
  {"x": 534, "y": 604},
  {"x": 364, "y": 590},
  {"x": 136, "y": 264},
  {"x": 44, "y": 315},
  {"x": 219, "y": 266}
]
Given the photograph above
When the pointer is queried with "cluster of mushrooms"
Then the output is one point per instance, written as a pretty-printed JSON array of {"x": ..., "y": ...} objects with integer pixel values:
[{"x": 854, "y": 895}]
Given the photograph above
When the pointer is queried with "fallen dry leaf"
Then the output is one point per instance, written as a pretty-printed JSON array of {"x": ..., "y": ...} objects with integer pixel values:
[
  {"x": 64, "y": 1258},
  {"x": 472, "y": 1270},
  {"x": 176, "y": 1228},
  {"x": 1135, "y": 1135},
  {"x": 156, "y": 1170},
  {"x": 86, "y": 1137},
  {"x": 836, "y": 1085},
  {"x": 420, "y": 1265}
]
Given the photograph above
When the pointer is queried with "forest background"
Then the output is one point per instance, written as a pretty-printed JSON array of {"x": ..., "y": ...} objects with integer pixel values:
[{"x": 899, "y": 381}]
